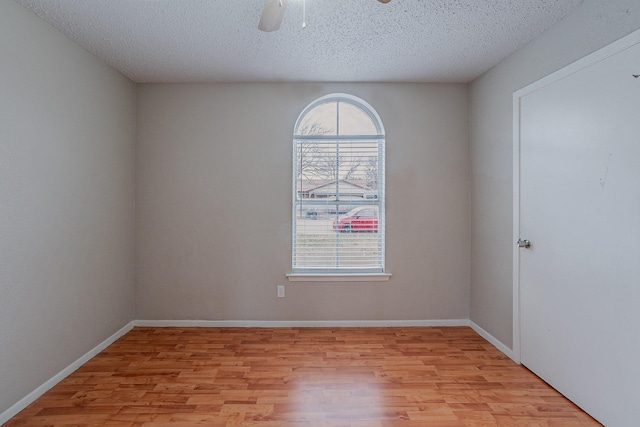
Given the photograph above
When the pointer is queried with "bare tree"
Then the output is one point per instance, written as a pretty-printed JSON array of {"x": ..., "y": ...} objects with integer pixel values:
[
  {"x": 323, "y": 162},
  {"x": 309, "y": 151},
  {"x": 332, "y": 166},
  {"x": 371, "y": 172}
]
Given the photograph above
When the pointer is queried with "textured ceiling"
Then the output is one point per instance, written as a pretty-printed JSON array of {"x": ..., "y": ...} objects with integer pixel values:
[{"x": 345, "y": 40}]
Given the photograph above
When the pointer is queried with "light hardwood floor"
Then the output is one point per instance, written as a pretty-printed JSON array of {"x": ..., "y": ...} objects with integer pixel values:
[{"x": 329, "y": 377}]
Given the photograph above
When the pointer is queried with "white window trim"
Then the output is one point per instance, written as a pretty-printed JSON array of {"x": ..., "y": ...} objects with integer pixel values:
[
  {"x": 346, "y": 276},
  {"x": 343, "y": 277}
]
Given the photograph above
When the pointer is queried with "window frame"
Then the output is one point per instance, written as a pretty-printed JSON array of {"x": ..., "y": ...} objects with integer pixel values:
[{"x": 309, "y": 274}]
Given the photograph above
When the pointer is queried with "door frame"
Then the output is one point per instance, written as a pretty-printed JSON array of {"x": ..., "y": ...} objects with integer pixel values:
[{"x": 589, "y": 60}]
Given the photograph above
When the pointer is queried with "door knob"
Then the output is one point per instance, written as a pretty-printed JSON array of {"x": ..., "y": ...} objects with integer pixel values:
[{"x": 523, "y": 243}]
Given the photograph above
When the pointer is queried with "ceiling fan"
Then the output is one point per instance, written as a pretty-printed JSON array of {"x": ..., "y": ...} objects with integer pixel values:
[{"x": 274, "y": 11}]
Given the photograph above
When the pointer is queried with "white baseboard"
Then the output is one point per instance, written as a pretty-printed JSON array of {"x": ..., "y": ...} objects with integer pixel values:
[
  {"x": 31, "y": 397},
  {"x": 493, "y": 340},
  {"x": 299, "y": 323}
]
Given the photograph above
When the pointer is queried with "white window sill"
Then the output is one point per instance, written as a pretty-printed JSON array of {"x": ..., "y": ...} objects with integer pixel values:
[{"x": 355, "y": 277}]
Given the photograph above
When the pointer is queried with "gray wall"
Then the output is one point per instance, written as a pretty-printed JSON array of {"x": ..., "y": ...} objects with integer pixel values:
[
  {"x": 591, "y": 26},
  {"x": 213, "y": 210},
  {"x": 67, "y": 128}
]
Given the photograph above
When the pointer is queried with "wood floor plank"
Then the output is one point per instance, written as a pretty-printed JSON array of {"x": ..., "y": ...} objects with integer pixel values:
[{"x": 326, "y": 377}]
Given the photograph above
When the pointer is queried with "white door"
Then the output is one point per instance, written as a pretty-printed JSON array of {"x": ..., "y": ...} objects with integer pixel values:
[{"x": 580, "y": 208}]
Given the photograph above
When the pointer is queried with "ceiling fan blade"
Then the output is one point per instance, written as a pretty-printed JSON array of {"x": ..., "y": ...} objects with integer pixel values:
[
  {"x": 272, "y": 15},
  {"x": 384, "y": 1}
]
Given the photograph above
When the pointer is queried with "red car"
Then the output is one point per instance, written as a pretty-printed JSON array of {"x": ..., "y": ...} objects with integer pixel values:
[{"x": 362, "y": 218}]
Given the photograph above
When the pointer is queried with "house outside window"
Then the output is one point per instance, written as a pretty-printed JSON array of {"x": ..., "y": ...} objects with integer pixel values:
[{"x": 338, "y": 188}]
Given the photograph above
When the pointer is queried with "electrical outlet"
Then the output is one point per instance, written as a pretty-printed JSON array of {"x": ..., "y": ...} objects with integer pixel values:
[{"x": 280, "y": 291}]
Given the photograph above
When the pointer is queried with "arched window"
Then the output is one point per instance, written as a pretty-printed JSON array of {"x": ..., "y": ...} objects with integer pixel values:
[{"x": 338, "y": 188}]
